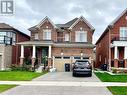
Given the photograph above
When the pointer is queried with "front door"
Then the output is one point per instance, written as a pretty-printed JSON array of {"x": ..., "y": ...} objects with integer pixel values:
[{"x": 45, "y": 56}]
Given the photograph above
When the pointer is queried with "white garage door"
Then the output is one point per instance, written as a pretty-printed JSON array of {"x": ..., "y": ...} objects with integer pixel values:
[{"x": 59, "y": 63}]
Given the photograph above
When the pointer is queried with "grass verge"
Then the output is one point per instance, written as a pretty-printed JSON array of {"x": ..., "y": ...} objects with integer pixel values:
[
  {"x": 105, "y": 77},
  {"x": 117, "y": 90},
  {"x": 19, "y": 75},
  {"x": 6, "y": 87}
]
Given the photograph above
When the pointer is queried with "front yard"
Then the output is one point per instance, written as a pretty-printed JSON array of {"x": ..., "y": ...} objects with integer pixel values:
[
  {"x": 116, "y": 90},
  {"x": 6, "y": 87},
  {"x": 18, "y": 75},
  {"x": 105, "y": 77}
]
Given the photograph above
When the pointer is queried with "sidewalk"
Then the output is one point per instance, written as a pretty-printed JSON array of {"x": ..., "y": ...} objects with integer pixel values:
[{"x": 64, "y": 83}]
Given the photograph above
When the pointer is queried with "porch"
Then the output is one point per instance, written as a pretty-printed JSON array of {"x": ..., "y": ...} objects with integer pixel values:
[
  {"x": 119, "y": 54},
  {"x": 40, "y": 53}
]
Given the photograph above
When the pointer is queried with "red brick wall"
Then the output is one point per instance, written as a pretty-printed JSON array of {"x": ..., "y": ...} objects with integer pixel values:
[
  {"x": 16, "y": 50},
  {"x": 102, "y": 50},
  {"x": 114, "y": 32},
  {"x": 40, "y": 31},
  {"x": 85, "y": 28},
  {"x": 72, "y": 51},
  {"x": 71, "y": 32}
]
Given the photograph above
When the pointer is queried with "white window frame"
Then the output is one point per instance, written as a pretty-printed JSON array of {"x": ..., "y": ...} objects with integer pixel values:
[
  {"x": 36, "y": 36},
  {"x": 66, "y": 37},
  {"x": 80, "y": 36},
  {"x": 46, "y": 34},
  {"x": 123, "y": 33}
]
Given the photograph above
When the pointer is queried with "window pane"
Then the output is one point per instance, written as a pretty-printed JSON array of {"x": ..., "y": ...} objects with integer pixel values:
[
  {"x": 77, "y": 57},
  {"x": 36, "y": 36},
  {"x": 47, "y": 35},
  {"x": 3, "y": 33},
  {"x": 66, "y": 37},
  {"x": 57, "y": 57},
  {"x": 123, "y": 33},
  {"x": 81, "y": 36},
  {"x": 66, "y": 57}
]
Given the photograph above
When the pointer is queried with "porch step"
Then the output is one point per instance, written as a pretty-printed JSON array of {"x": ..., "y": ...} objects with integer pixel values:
[
  {"x": 39, "y": 69},
  {"x": 52, "y": 70}
]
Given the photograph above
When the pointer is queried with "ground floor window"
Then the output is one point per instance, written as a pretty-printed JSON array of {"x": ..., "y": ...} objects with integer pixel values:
[
  {"x": 66, "y": 57},
  {"x": 77, "y": 57},
  {"x": 58, "y": 57},
  {"x": 85, "y": 57}
]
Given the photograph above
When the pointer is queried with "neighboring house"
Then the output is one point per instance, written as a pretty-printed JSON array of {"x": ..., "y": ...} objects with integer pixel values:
[
  {"x": 61, "y": 43},
  {"x": 9, "y": 51},
  {"x": 111, "y": 47}
]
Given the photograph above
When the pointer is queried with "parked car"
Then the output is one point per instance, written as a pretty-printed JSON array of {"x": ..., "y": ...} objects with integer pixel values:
[{"x": 82, "y": 67}]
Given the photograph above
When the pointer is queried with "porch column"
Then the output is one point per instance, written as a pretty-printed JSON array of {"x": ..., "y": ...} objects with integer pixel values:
[
  {"x": 33, "y": 55},
  {"x": 116, "y": 53},
  {"x": 125, "y": 56},
  {"x": 22, "y": 55},
  {"x": 116, "y": 57},
  {"x": 49, "y": 52},
  {"x": 49, "y": 57}
]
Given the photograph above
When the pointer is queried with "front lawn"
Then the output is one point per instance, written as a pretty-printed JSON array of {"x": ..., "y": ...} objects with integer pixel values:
[
  {"x": 117, "y": 90},
  {"x": 5, "y": 87},
  {"x": 19, "y": 75},
  {"x": 105, "y": 77}
]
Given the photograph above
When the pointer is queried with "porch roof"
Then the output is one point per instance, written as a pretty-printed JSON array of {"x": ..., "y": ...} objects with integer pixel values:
[
  {"x": 54, "y": 44},
  {"x": 29, "y": 43}
]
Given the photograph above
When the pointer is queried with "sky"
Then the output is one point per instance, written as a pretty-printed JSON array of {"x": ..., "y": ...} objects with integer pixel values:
[{"x": 99, "y": 13}]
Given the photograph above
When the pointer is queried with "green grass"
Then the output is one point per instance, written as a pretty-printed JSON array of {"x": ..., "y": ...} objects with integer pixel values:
[
  {"x": 19, "y": 75},
  {"x": 105, "y": 77},
  {"x": 117, "y": 90},
  {"x": 5, "y": 87}
]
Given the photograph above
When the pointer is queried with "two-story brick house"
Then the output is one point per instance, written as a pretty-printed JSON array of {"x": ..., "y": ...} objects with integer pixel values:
[
  {"x": 111, "y": 47},
  {"x": 9, "y": 51},
  {"x": 61, "y": 43}
]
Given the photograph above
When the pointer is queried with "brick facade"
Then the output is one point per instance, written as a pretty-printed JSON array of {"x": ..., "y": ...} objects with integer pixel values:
[
  {"x": 58, "y": 44},
  {"x": 104, "y": 46}
]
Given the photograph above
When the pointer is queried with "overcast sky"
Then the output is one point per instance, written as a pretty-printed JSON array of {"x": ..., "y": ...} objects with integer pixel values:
[{"x": 99, "y": 13}]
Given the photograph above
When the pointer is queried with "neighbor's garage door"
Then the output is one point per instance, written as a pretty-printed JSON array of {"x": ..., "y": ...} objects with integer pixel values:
[{"x": 59, "y": 63}]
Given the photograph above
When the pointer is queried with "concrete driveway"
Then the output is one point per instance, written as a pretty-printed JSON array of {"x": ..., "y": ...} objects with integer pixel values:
[
  {"x": 65, "y": 76},
  {"x": 60, "y": 90}
]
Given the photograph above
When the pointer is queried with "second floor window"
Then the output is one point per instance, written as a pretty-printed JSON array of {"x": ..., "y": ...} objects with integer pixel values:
[
  {"x": 81, "y": 36},
  {"x": 47, "y": 34},
  {"x": 36, "y": 36},
  {"x": 66, "y": 37},
  {"x": 8, "y": 37},
  {"x": 123, "y": 33}
]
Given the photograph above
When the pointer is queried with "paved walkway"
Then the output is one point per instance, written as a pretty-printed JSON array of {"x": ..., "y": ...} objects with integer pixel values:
[
  {"x": 60, "y": 83},
  {"x": 64, "y": 83}
]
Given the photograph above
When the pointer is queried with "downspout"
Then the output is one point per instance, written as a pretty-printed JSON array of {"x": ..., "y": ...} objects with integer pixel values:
[
  {"x": 17, "y": 50},
  {"x": 109, "y": 68}
]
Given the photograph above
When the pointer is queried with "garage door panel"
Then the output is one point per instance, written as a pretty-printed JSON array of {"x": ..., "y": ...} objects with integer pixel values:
[{"x": 60, "y": 64}]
